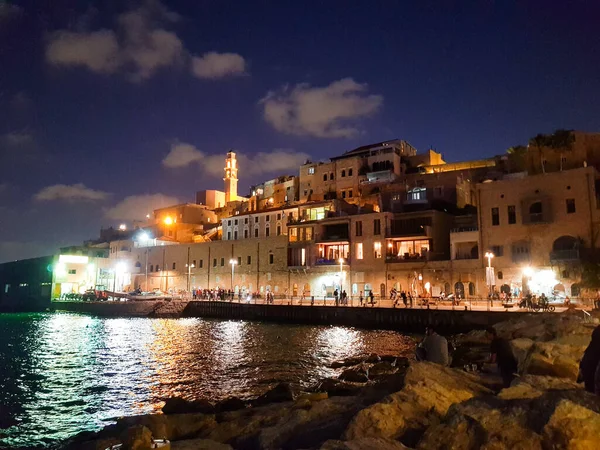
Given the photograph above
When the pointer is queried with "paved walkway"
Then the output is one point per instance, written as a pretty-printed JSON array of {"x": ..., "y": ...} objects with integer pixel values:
[{"x": 470, "y": 305}]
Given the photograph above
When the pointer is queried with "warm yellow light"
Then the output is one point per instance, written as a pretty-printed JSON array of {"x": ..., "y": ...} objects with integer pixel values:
[
  {"x": 528, "y": 271},
  {"x": 489, "y": 255},
  {"x": 168, "y": 220},
  {"x": 341, "y": 260},
  {"x": 122, "y": 227},
  {"x": 232, "y": 261},
  {"x": 390, "y": 245}
]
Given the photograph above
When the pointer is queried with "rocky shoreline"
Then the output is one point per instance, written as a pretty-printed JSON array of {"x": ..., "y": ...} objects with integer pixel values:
[{"x": 386, "y": 402}]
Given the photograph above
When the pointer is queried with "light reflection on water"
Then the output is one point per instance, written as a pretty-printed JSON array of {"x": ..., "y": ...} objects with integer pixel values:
[{"x": 64, "y": 373}]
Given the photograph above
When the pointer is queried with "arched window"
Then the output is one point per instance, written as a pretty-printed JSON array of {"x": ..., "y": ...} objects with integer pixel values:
[
  {"x": 575, "y": 290},
  {"x": 565, "y": 243},
  {"x": 505, "y": 288},
  {"x": 471, "y": 289},
  {"x": 459, "y": 289},
  {"x": 536, "y": 212},
  {"x": 138, "y": 264}
]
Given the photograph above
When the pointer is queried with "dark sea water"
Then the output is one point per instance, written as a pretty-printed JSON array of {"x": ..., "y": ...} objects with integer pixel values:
[{"x": 64, "y": 373}]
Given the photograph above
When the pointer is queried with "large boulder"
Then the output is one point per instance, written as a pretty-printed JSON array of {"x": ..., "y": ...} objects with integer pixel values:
[
  {"x": 171, "y": 426},
  {"x": 335, "y": 387},
  {"x": 550, "y": 358},
  {"x": 482, "y": 423},
  {"x": 137, "y": 437},
  {"x": 358, "y": 374},
  {"x": 572, "y": 427},
  {"x": 230, "y": 404},
  {"x": 364, "y": 444},
  {"x": 199, "y": 444},
  {"x": 281, "y": 393},
  {"x": 382, "y": 368},
  {"x": 178, "y": 405},
  {"x": 430, "y": 389},
  {"x": 520, "y": 348}
]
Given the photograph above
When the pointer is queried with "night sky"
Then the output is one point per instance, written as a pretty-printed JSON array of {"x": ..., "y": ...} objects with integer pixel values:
[{"x": 110, "y": 108}]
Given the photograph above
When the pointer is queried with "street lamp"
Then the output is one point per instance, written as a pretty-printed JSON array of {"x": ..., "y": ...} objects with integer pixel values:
[
  {"x": 144, "y": 237},
  {"x": 233, "y": 262},
  {"x": 189, "y": 274},
  {"x": 489, "y": 272},
  {"x": 341, "y": 261}
]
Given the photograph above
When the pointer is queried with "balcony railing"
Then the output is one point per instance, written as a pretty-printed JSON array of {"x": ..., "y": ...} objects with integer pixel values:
[
  {"x": 419, "y": 230},
  {"x": 406, "y": 258},
  {"x": 332, "y": 238},
  {"x": 565, "y": 255},
  {"x": 330, "y": 262},
  {"x": 463, "y": 229},
  {"x": 466, "y": 256}
]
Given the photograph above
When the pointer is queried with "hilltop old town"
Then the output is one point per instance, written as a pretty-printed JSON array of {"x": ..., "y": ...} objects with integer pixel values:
[{"x": 379, "y": 219}]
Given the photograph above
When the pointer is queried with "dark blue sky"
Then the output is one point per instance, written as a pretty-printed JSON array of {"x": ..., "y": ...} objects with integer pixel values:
[{"x": 95, "y": 95}]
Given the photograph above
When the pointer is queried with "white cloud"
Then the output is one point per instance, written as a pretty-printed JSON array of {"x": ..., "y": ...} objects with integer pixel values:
[
  {"x": 139, "y": 45},
  {"x": 16, "y": 139},
  {"x": 135, "y": 207},
  {"x": 182, "y": 155},
  {"x": 72, "y": 192},
  {"x": 279, "y": 160},
  {"x": 327, "y": 112},
  {"x": 98, "y": 51},
  {"x": 218, "y": 65}
]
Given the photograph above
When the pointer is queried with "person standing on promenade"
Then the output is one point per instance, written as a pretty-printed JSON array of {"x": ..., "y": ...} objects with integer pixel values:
[
  {"x": 336, "y": 296},
  {"x": 434, "y": 348},
  {"x": 404, "y": 299},
  {"x": 372, "y": 297},
  {"x": 360, "y": 298},
  {"x": 589, "y": 367},
  {"x": 502, "y": 355}
]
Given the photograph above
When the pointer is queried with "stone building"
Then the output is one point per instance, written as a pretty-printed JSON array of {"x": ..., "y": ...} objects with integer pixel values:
[{"x": 538, "y": 227}]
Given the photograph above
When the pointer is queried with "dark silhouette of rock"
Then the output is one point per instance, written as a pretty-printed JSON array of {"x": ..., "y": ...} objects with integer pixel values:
[
  {"x": 335, "y": 387},
  {"x": 355, "y": 375},
  {"x": 280, "y": 393},
  {"x": 346, "y": 363},
  {"x": 230, "y": 404},
  {"x": 178, "y": 405},
  {"x": 373, "y": 358}
]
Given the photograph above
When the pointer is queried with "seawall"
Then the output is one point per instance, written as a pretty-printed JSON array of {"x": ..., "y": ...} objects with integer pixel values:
[{"x": 383, "y": 318}]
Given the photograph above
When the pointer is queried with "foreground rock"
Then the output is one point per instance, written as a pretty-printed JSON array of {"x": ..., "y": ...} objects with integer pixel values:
[
  {"x": 382, "y": 405},
  {"x": 429, "y": 391}
]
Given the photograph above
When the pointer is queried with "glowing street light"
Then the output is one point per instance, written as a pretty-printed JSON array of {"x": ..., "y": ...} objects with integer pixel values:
[
  {"x": 168, "y": 220},
  {"x": 189, "y": 274},
  {"x": 489, "y": 272},
  {"x": 341, "y": 261},
  {"x": 143, "y": 237},
  {"x": 122, "y": 227},
  {"x": 233, "y": 262}
]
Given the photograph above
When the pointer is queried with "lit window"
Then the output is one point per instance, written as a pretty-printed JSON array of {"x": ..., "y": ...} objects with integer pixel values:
[
  {"x": 311, "y": 170},
  {"x": 359, "y": 251},
  {"x": 377, "y": 249},
  {"x": 416, "y": 194}
]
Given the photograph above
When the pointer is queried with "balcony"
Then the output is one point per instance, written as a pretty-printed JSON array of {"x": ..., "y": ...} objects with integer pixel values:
[
  {"x": 330, "y": 262},
  {"x": 466, "y": 256},
  {"x": 406, "y": 232},
  {"x": 406, "y": 258},
  {"x": 558, "y": 256}
]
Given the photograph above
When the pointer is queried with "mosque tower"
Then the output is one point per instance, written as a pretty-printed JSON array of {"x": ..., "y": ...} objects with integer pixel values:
[{"x": 231, "y": 178}]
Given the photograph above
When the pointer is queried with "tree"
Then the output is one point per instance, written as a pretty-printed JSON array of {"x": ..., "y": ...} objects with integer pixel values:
[{"x": 517, "y": 157}]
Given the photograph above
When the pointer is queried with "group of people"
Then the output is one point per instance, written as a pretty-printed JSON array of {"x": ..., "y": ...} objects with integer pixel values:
[
  {"x": 340, "y": 297},
  {"x": 435, "y": 348},
  {"x": 407, "y": 299},
  {"x": 221, "y": 294}
]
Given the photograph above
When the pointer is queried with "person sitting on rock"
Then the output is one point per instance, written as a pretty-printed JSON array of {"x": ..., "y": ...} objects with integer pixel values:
[
  {"x": 502, "y": 355},
  {"x": 589, "y": 367},
  {"x": 434, "y": 348}
]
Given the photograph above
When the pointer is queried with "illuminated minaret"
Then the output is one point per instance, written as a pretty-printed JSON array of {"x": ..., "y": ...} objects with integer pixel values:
[{"x": 231, "y": 178}]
